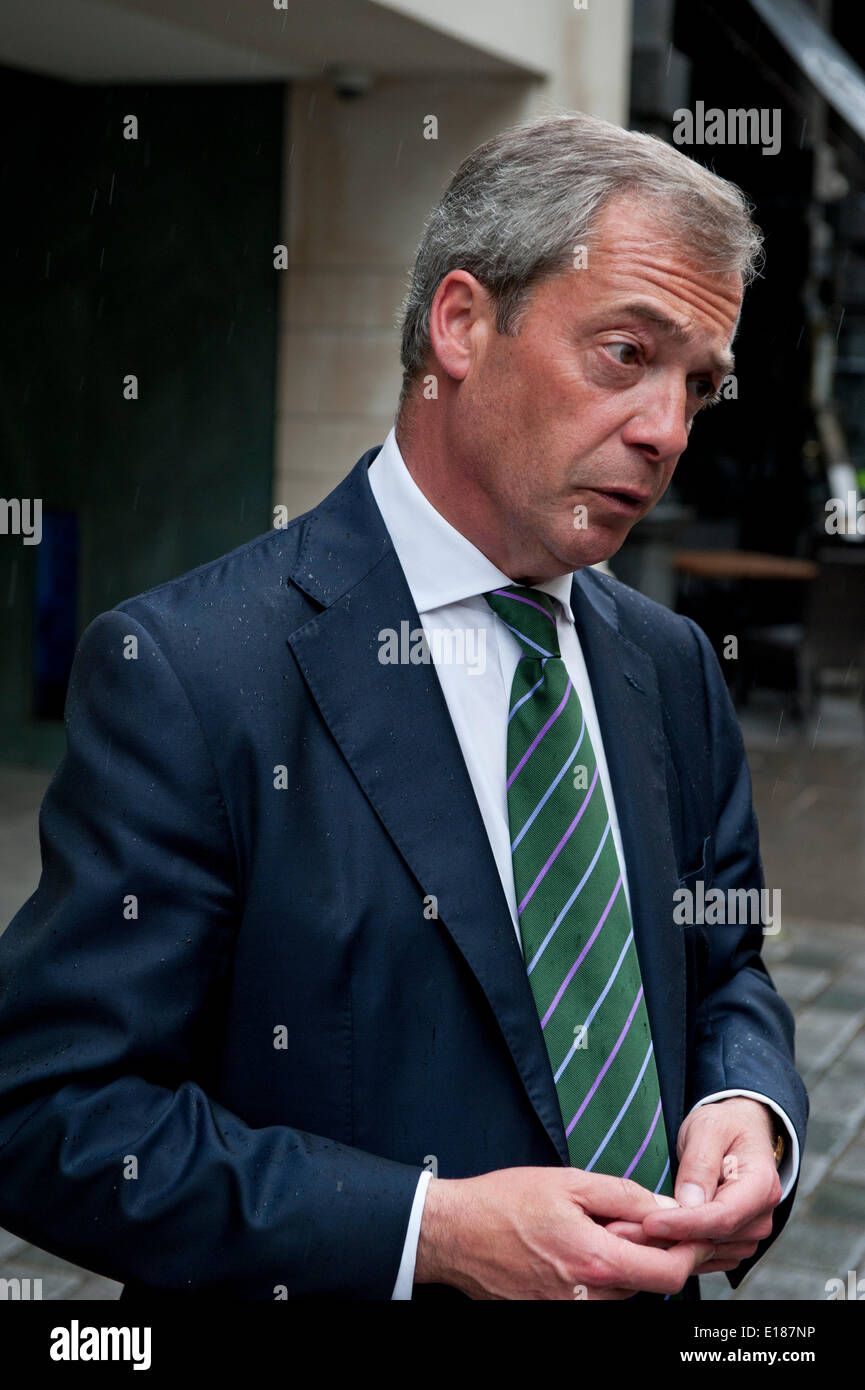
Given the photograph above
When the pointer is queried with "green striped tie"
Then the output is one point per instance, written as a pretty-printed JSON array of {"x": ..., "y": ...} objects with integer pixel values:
[{"x": 575, "y": 925}]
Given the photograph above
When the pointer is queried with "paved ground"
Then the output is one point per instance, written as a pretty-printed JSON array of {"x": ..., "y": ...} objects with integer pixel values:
[{"x": 809, "y": 787}]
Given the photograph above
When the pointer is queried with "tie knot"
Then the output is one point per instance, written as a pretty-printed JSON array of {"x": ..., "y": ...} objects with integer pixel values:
[{"x": 531, "y": 616}]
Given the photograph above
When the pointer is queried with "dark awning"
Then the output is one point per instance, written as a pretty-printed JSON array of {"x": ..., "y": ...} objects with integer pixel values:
[{"x": 837, "y": 78}]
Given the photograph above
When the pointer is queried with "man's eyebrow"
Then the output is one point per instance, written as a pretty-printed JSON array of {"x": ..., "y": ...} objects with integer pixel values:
[{"x": 722, "y": 362}]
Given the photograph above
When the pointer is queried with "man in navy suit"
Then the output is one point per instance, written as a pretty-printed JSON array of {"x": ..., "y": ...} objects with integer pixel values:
[{"x": 266, "y": 1026}]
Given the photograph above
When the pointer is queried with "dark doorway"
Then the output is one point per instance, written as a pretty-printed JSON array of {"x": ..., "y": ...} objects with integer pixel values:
[{"x": 138, "y": 356}]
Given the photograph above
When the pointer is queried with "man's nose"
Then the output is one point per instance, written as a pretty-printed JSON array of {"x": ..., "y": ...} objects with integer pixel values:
[{"x": 660, "y": 424}]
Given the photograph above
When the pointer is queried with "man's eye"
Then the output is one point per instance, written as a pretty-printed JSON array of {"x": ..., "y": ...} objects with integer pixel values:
[
  {"x": 625, "y": 348},
  {"x": 704, "y": 390}
]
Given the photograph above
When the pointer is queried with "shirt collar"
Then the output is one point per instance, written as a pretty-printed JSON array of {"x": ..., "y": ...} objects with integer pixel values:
[{"x": 440, "y": 564}]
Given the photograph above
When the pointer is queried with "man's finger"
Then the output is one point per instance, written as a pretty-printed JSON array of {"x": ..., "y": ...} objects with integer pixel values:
[
  {"x": 728, "y": 1256},
  {"x": 635, "y": 1231},
  {"x": 752, "y": 1231},
  {"x": 757, "y": 1229},
  {"x": 595, "y": 1295},
  {"x": 735, "y": 1204},
  {"x": 626, "y": 1264},
  {"x": 613, "y": 1198}
]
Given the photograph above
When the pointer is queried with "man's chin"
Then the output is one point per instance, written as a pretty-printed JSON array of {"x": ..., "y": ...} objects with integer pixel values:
[{"x": 596, "y": 544}]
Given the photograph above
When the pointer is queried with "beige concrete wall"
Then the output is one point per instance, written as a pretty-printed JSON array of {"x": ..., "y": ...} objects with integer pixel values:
[
  {"x": 360, "y": 179},
  {"x": 594, "y": 69}
]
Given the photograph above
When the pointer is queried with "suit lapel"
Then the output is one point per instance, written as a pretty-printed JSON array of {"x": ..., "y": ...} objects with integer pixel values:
[
  {"x": 392, "y": 725},
  {"x": 628, "y": 703}
]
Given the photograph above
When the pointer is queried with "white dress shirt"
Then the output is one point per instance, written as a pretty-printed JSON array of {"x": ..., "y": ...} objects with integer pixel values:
[{"x": 475, "y": 657}]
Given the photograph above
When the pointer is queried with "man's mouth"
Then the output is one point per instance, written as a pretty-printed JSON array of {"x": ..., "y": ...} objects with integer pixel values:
[{"x": 627, "y": 501}]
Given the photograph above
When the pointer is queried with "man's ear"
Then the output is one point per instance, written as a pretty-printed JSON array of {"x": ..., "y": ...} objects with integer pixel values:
[{"x": 461, "y": 315}]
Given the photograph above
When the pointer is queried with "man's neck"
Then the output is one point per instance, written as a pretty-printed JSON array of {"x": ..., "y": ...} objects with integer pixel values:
[{"x": 466, "y": 506}]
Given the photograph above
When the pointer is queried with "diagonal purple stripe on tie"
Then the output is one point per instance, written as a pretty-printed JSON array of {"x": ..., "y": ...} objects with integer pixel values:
[
  {"x": 552, "y": 787},
  {"x": 621, "y": 1115},
  {"x": 605, "y": 1068},
  {"x": 598, "y": 1002},
  {"x": 563, "y": 841},
  {"x": 518, "y": 598},
  {"x": 571, "y": 900},
  {"x": 642, "y": 1149},
  {"x": 582, "y": 956},
  {"x": 537, "y": 738}
]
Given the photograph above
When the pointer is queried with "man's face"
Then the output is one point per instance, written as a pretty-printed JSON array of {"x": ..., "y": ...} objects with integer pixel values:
[{"x": 583, "y": 414}]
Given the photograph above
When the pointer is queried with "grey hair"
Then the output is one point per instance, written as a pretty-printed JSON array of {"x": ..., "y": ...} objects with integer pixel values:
[{"x": 519, "y": 203}]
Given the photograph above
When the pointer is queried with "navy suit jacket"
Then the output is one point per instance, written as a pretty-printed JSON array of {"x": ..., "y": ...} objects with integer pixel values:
[{"x": 231, "y": 1030}]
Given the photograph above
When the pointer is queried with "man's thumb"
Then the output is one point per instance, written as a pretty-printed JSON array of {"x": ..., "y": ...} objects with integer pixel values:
[
  {"x": 689, "y": 1194},
  {"x": 697, "y": 1178}
]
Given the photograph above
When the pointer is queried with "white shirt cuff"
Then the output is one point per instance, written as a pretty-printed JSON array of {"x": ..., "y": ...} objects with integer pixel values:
[
  {"x": 405, "y": 1274},
  {"x": 789, "y": 1167}
]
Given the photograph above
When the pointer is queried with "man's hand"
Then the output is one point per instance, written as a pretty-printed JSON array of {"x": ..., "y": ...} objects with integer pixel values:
[
  {"x": 727, "y": 1184},
  {"x": 537, "y": 1233}
]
